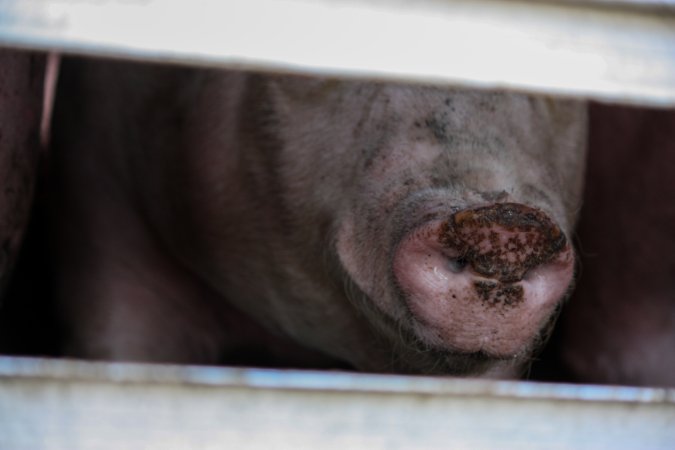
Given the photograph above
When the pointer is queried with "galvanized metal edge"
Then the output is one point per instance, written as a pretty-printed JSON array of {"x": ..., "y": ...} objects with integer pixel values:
[
  {"x": 56, "y": 404},
  {"x": 600, "y": 50},
  {"x": 14, "y": 368}
]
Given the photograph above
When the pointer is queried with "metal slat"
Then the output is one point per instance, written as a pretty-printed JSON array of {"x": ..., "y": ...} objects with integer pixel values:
[
  {"x": 51, "y": 404},
  {"x": 599, "y": 49}
]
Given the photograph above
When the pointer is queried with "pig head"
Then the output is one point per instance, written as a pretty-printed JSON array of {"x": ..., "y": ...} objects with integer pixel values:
[{"x": 397, "y": 228}]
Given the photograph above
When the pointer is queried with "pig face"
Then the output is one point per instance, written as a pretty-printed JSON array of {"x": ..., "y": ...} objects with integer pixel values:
[
  {"x": 397, "y": 228},
  {"x": 443, "y": 216}
]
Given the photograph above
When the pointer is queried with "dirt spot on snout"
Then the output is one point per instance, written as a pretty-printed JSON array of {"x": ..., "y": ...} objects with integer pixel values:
[
  {"x": 493, "y": 293},
  {"x": 502, "y": 241}
]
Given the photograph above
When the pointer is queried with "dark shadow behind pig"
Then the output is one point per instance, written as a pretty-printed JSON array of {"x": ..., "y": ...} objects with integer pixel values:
[
  {"x": 391, "y": 228},
  {"x": 620, "y": 325},
  {"x": 21, "y": 87}
]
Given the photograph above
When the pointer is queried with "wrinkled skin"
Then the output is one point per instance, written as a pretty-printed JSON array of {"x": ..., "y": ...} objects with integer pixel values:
[
  {"x": 620, "y": 325},
  {"x": 21, "y": 84},
  {"x": 184, "y": 198}
]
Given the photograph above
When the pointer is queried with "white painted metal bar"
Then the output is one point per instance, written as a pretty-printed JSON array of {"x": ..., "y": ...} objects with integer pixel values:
[
  {"x": 617, "y": 50},
  {"x": 55, "y": 404}
]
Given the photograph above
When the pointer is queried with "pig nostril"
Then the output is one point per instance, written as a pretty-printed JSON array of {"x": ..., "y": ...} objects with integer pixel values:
[{"x": 456, "y": 265}]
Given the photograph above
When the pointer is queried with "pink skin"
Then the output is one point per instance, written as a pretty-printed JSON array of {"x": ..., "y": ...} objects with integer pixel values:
[
  {"x": 448, "y": 311},
  {"x": 182, "y": 195},
  {"x": 21, "y": 78}
]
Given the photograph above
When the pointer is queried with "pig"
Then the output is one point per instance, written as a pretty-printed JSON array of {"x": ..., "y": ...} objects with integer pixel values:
[
  {"x": 619, "y": 326},
  {"x": 389, "y": 227},
  {"x": 21, "y": 90}
]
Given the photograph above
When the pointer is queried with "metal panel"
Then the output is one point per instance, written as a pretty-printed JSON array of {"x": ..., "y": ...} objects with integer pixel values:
[
  {"x": 51, "y": 404},
  {"x": 608, "y": 49}
]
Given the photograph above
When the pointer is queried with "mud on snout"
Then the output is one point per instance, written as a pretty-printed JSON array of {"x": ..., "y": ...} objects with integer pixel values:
[{"x": 485, "y": 281}]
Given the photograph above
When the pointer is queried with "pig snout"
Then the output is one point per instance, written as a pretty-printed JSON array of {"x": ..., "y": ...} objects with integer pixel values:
[{"x": 486, "y": 279}]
